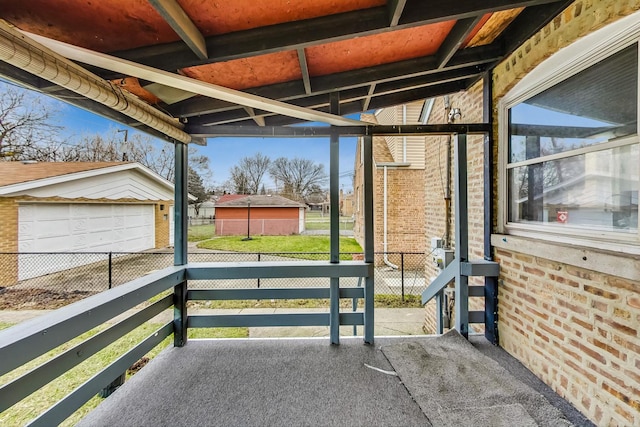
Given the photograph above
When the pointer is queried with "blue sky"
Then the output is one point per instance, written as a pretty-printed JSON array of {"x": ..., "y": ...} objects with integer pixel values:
[{"x": 222, "y": 152}]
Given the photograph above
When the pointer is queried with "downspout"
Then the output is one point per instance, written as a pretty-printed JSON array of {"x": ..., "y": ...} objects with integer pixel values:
[
  {"x": 384, "y": 167},
  {"x": 384, "y": 223},
  {"x": 447, "y": 187},
  {"x": 447, "y": 194}
]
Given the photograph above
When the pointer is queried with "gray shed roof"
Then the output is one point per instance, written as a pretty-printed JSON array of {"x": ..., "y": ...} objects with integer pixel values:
[{"x": 261, "y": 201}]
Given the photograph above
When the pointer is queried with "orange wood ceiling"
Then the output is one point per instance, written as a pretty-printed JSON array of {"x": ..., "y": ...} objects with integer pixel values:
[
  {"x": 98, "y": 24},
  {"x": 225, "y": 16},
  {"x": 249, "y": 72},
  {"x": 325, "y": 59}
]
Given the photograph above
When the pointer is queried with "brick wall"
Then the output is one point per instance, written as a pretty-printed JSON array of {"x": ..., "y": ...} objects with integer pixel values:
[
  {"x": 9, "y": 240},
  {"x": 575, "y": 328},
  {"x": 470, "y": 103},
  {"x": 161, "y": 212},
  {"x": 405, "y": 202}
]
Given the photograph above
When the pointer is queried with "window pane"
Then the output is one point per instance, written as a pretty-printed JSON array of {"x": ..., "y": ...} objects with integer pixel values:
[
  {"x": 596, "y": 105},
  {"x": 598, "y": 190}
]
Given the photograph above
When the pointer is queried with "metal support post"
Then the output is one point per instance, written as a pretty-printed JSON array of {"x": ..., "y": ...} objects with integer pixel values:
[
  {"x": 334, "y": 200},
  {"x": 490, "y": 283},
  {"x": 367, "y": 146},
  {"x": 461, "y": 235},
  {"x": 402, "y": 274},
  {"x": 180, "y": 245},
  {"x": 439, "y": 312},
  {"x": 110, "y": 270}
]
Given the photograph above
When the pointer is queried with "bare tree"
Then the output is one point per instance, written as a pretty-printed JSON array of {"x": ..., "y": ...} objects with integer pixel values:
[
  {"x": 239, "y": 180},
  {"x": 254, "y": 169},
  {"x": 298, "y": 176},
  {"x": 27, "y": 126},
  {"x": 159, "y": 157}
]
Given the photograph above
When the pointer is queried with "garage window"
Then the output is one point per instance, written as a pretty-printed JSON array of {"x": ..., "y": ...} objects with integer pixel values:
[{"x": 572, "y": 158}]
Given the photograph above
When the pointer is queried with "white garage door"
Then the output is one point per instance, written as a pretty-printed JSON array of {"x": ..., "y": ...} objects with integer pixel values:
[{"x": 79, "y": 228}]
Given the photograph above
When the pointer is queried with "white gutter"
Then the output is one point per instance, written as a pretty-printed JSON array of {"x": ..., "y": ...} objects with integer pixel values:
[
  {"x": 177, "y": 81},
  {"x": 21, "y": 51},
  {"x": 384, "y": 223}
]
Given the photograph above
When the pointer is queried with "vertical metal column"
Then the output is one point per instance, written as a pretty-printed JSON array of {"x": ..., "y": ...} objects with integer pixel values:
[
  {"x": 334, "y": 215},
  {"x": 439, "y": 312},
  {"x": 367, "y": 146},
  {"x": 461, "y": 234},
  {"x": 180, "y": 243},
  {"x": 490, "y": 283}
]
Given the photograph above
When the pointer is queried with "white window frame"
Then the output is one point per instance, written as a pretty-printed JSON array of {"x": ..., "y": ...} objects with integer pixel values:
[{"x": 565, "y": 63}]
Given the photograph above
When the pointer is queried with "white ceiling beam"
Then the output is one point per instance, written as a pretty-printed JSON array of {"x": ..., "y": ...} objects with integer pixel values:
[
  {"x": 258, "y": 119},
  {"x": 177, "y": 18},
  {"x": 188, "y": 84}
]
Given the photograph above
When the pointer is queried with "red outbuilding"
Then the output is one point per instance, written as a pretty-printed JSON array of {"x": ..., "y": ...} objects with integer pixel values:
[{"x": 259, "y": 215}]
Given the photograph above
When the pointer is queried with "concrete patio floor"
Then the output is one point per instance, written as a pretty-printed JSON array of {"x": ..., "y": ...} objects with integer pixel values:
[{"x": 442, "y": 381}]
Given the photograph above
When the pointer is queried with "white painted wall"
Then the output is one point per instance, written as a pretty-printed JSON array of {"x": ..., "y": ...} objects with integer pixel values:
[{"x": 126, "y": 184}]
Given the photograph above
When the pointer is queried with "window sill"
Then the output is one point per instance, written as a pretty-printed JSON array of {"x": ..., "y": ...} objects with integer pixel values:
[{"x": 614, "y": 259}]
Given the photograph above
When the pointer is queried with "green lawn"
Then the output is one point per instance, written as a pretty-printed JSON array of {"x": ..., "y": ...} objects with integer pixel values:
[
  {"x": 197, "y": 233},
  {"x": 316, "y": 221},
  {"x": 24, "y": 411},
  {"x": 282, "y": 244},
  {"x": 379, "y": 301}
]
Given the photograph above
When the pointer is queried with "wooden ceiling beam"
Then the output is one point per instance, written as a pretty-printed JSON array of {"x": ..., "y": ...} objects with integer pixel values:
[
  {"x": 397, "y": 71},
  {"x": 367, "y": 100},
  {"x": 258, "y": 119},
  {"x": 178, "y": 19},
  {"x": 529, "y": 22},
  {"x": 311, "y": 32},
  {"x": 454, "y": 39},
  {"x": 304, "y": 69},
  {"x": 362, "y": 97},
  {"x": 395, "y": 11},
  {"x": 187, "y": 84}
]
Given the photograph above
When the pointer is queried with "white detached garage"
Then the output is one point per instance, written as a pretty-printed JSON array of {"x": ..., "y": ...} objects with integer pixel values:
[{"x": 80, "y": 207}]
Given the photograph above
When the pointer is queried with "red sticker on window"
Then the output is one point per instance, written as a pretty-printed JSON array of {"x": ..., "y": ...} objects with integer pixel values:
[{"x": 562, "y": 217}]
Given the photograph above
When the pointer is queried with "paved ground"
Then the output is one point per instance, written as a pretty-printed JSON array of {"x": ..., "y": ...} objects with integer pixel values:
[{"x": 422, "y": 381}]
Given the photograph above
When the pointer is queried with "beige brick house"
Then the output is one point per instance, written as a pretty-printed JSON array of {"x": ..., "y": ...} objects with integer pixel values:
[
  {"x": 79, "y": 207},
  {"x": 398, "y": 178},
  {"x": 565, "y": 229}
]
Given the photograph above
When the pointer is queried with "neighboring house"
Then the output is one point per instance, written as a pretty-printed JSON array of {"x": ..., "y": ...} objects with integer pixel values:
[
  {"x": 398, "y": 175},
  {"x": 347, "y": 202},
  {"x": 565, "y": 187},
  {"x": 206, "y": 210},
  {"x": 267, "y": 215},
  {"x": 79, "y": 207}
]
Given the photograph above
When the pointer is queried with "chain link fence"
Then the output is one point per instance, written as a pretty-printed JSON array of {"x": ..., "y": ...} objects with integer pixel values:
[{"x": 51, "y": 280}]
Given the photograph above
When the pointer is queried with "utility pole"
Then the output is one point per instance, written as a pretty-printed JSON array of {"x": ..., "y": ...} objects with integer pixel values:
[{"x": 125, "y": 157}]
